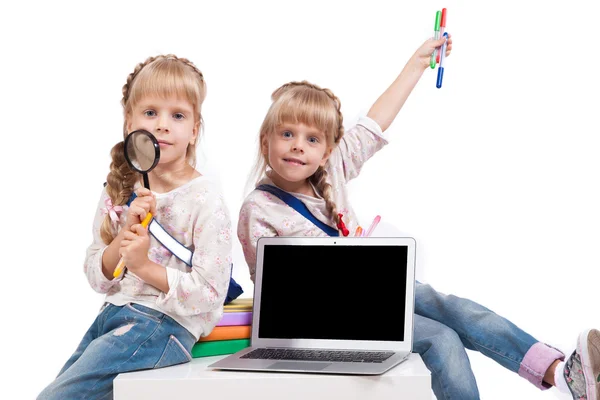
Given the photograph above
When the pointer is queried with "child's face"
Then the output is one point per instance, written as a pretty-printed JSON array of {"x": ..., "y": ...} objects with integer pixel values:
[
  {"x": 295, "y": 151},
  {"x": 171, "y": 121}
]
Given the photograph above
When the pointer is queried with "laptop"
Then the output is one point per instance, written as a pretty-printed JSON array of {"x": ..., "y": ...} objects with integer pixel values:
[{"x": 330, "y": 305}]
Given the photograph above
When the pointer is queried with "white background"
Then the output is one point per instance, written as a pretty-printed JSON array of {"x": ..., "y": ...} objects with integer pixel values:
[{"x": 495, "y": 174}]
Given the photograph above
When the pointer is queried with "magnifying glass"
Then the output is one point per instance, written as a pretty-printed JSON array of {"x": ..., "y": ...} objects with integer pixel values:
[{"x": 142, "y": 153}]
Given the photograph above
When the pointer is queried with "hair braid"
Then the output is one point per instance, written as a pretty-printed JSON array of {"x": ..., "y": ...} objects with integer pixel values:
[{"x": 319, "y": 180}]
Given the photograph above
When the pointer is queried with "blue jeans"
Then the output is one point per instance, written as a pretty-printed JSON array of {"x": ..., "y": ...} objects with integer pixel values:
[
  {"x": 445, "y": 325},
  {"x": 121, "y": 339}
]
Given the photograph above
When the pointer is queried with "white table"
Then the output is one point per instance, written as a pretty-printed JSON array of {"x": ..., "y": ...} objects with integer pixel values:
[{"x": 409, "y": 380}]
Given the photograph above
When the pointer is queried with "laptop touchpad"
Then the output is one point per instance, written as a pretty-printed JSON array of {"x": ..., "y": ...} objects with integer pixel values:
[{"x": 302, "y": 366}]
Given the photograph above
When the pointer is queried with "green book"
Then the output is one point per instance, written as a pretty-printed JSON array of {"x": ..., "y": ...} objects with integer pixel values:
[{"x": 219, "y": 347}]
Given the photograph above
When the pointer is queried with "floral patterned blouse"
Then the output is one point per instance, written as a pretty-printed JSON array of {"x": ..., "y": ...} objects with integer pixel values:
[{"x": 196, "y": 215}]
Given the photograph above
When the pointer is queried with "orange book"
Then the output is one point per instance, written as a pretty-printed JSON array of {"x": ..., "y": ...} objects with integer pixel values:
[{"x": 228, "y": 333}]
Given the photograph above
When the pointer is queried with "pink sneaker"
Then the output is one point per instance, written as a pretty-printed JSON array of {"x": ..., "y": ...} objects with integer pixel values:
[{"x": 582, "y": 368}]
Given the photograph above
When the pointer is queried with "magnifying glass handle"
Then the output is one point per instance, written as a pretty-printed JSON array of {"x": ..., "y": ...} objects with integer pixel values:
[
  {"x": 119, "y": 269},
  {"x": 121, "y": 265}
]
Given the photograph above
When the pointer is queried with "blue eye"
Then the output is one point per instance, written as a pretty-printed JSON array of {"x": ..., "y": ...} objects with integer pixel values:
[
  {"x": 287, "y": 134},
  {"x": 150, "y": 113},
  {"x": 178, "y": 116},
  {"x": 313, "y": 140}
]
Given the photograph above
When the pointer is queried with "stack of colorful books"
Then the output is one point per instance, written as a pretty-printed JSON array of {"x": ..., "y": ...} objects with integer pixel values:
[{"x": 231, "y": 334}]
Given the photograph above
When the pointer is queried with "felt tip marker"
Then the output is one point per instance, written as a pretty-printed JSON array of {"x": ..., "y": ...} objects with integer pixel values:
[
  {"x": 436, "y": 36},
  {"x": 440, "y": 75}
]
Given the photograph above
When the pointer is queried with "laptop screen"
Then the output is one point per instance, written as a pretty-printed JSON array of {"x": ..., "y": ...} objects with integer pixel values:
[{"x": 337, "y": 292}]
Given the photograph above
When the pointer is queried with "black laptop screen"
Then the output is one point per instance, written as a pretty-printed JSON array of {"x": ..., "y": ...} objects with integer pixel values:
[{"x": 333, "y": 292}]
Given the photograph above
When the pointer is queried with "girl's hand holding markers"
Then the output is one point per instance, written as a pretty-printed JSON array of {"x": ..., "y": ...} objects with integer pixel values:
[{"x": 423, "y": 54}]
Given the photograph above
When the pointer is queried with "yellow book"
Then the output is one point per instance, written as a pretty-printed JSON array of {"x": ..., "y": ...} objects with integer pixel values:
[{"x": 238, "y": 305}]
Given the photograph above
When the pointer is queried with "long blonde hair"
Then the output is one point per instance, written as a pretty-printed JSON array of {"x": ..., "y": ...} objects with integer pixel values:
[
  {"x": 161, "y": 76},
  {"x": 311, "y": 105}
]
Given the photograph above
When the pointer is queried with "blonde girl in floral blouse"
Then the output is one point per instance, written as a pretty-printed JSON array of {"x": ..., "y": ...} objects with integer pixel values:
[{"x": 160, "y": 307}]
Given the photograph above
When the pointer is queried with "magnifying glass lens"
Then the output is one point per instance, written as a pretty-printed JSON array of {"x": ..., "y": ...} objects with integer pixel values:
[{"x": 142, "y": 151}]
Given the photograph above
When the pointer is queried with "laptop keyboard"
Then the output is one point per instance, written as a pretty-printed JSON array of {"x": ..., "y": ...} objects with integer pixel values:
[{"x": 319, "y": 355}]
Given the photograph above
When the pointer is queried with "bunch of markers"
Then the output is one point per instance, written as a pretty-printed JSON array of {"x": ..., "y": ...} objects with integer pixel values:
[
  {"x": 439, "y": 54},
  {"x": 359, "y": 230},
  {"x": 231, "y": 334}
]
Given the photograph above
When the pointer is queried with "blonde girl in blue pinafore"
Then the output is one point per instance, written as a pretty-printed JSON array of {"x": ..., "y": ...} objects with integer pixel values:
[{"x": 305, "y": 152}]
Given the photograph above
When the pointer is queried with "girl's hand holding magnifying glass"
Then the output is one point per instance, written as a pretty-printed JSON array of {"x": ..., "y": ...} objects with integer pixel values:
[{"x": 144, "y": 203}]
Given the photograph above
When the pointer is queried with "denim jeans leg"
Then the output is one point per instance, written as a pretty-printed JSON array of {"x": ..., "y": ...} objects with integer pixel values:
[
  {"x": 91, "y": 334},
  {"x": 485, "y": 331},
  {"x": 134, "y": 338},
  {"x": 445, "y": 356}
]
